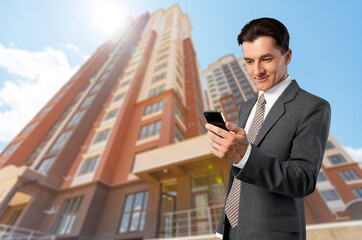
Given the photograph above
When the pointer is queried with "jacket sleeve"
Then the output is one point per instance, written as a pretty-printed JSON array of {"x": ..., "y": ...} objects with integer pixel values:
[{"x": 296, "y": 174}]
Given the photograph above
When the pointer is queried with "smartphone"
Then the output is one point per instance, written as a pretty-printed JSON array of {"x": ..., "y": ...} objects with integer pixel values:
[{"x": 216, "y": 118}]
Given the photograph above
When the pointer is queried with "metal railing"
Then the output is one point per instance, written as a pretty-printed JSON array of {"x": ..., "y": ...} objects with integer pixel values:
[
  {"x": 191, "y": 222},
  {"x": 8, "y": 232}
]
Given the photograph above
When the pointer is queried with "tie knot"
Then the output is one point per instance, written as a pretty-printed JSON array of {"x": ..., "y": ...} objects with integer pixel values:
[{"x": 261, "y": 99}]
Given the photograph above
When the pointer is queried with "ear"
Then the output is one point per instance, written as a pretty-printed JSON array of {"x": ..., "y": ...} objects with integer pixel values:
[{"x": 288, "y": 56}]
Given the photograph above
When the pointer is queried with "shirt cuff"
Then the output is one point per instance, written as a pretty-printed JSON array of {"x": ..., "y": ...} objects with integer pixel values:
[
  {"x": 218, "y": 235},
  {"x": 243, "y": 161}
]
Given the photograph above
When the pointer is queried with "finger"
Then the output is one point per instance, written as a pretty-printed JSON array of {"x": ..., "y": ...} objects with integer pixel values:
[
  {"x": 217, "y": 145},
  {"x": 234, "y": 128},
  {"x": 218, "y": 131},
  {"x": 214, "y": 138}
]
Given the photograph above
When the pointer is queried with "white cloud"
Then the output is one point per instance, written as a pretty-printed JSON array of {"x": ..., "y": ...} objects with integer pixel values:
[
  {"x": 355, "y": 153},
  {"x": 36, "y": 77},
  {"x": 70, "y": 46}
]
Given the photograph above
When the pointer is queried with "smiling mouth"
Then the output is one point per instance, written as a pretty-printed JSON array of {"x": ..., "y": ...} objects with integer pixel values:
[{"x": 261, "y": 79}]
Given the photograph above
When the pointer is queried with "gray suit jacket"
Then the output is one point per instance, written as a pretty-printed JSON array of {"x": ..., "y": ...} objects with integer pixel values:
[{"x": 283, "y": 166}]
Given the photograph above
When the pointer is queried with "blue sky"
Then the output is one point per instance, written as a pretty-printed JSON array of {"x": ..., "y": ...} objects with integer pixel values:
[{"x": 42, "y": 43}]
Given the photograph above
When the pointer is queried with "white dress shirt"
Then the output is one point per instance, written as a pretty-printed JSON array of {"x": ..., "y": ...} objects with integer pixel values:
[{"x": 271, "y": 97}]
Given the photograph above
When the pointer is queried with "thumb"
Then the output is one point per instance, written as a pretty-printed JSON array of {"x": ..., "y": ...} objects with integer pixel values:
[{"x": 234, "y": 128}]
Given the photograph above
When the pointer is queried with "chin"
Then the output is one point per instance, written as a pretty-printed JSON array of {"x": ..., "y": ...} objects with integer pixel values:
[{"x": 262, "y": 88}]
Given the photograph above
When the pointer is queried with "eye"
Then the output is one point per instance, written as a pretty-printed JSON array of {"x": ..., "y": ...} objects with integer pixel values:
[
  {"x": 267, "y": 59},
  {"x": 248, "y": 61}
]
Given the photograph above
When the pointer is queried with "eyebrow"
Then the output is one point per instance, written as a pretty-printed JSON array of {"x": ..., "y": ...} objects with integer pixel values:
[{"x": 262, "y": 56}]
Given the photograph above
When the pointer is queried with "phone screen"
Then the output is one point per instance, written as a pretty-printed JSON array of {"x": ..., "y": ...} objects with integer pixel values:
[{"x": 215, "y": 118}]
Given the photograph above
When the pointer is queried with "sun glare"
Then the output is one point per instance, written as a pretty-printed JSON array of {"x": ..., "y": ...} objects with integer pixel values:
[{"x": 108, "y": 15}]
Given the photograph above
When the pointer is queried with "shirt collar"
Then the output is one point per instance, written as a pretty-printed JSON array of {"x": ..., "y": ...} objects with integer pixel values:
[{"x": 273, "y": 94}]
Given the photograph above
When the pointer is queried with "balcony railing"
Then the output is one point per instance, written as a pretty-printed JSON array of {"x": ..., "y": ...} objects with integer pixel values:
[
  {"x": 8, "y": 232},
  {"x": 191, "y": 222}
]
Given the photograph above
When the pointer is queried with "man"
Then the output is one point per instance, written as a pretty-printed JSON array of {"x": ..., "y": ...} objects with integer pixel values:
[{"x": 277, "y": 150}]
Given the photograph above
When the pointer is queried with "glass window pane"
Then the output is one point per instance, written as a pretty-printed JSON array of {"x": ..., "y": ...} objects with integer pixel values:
[
  {"x": 138, "y": 202},
  {"x": 135, "y": 221},
  {"x": 129, "y": 201},
  {"x": 124, "y": 223}
]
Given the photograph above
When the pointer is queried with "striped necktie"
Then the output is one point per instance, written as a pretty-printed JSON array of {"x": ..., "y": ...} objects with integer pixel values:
[{"x": 232, "y": 202}]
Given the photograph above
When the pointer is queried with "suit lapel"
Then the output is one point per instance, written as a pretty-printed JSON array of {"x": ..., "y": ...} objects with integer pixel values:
[
  {"x": 245, "y": 111},
  {"x": 277, "y": 111}
]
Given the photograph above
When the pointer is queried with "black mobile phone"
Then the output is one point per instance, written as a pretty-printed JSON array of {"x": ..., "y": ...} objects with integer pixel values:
[{"x": 216, "y": 118}]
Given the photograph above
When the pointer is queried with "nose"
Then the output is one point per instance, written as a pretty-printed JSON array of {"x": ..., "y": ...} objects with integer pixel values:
[{"x": 258, "y": 69}]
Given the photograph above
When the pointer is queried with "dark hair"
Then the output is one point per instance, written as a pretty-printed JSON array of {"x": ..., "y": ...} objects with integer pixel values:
[{"x": 265, "y": 27}]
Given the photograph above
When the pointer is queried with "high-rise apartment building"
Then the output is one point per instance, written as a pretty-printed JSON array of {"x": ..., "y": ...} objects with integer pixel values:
[
  {"x": 339, "y": 184},
  {"x": 228, "y": 85},
  {"x": 120, "y": 151},
  {"x": 69, "y": 172}
]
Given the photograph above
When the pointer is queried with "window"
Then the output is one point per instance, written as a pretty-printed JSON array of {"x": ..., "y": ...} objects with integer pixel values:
[
  {"x": 150, "y": 130},
  {"x": 321, "y": 177},
  {"x": 227, "y": 100},
  {"x": 67, "y": 217},
  {"x": 11, "y": 149},
  {"x": 210, "y": 182},
  {"x": 155, "y": 91},
  {"x": 163, "y": 50},
  {"x": 119, "y": 97},
  {"x": 349, "y": 175},
  {"x": 45, "y": 165},
  {"x": 102, "y": 135},
  {"x": 111, "y": 114},
  {"x": 159, "y": 77},
  {"x": 54, "y": 128},
  {"x": 179, "y": 113},
  {"x": 337, "y": 159},
  {"x": 154, "y": 107},
  {"x": 179, "y": 81},
  {"x": 89, "y": 165},
  {"x": 36, "y": 152},
  {"x": 162, "y": 57},
  {"x": 330, "y": 195},
  {"x": 60, "y": 141},
  {"x": 179, "y": 71},
  {"x": 87, "y": 101},
  {"x": 229, "y": 107},
  {"x": 329, "y": 145},
  {"x": 30, "y": 127},
  {"x": 161, "y": 66},
  {"x": 14, "y": 218},
  {"x": 75, "y": 119},
  {"x": 45, "y": 110},
  {"x": 232, "y": 115},
  {"x": 178, "y": 134},
  {"x": 129, "y": 72},
  {"x": 134, "y": 212},
  {"x": 66, "y": 111},
  {"x": 111, "y": 66},
  {"x": 105, "y": 75},
  {"x": 357, "y": 192},
  {"x": 124, "y": 83},
  {"x": 96, "y": 87}
]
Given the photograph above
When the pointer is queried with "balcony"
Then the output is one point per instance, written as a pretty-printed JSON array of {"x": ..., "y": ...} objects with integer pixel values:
[
  {"x": 8, "y": 232},
  {"x": 201, "y": 224},
  {"x": 190, "y": 223}
]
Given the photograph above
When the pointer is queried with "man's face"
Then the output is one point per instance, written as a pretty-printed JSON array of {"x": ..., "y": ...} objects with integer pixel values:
[{"x": 265, "y": 62}]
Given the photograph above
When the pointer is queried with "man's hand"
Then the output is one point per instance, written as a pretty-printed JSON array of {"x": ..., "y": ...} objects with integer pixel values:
[{"x": 228, "y": 145}]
